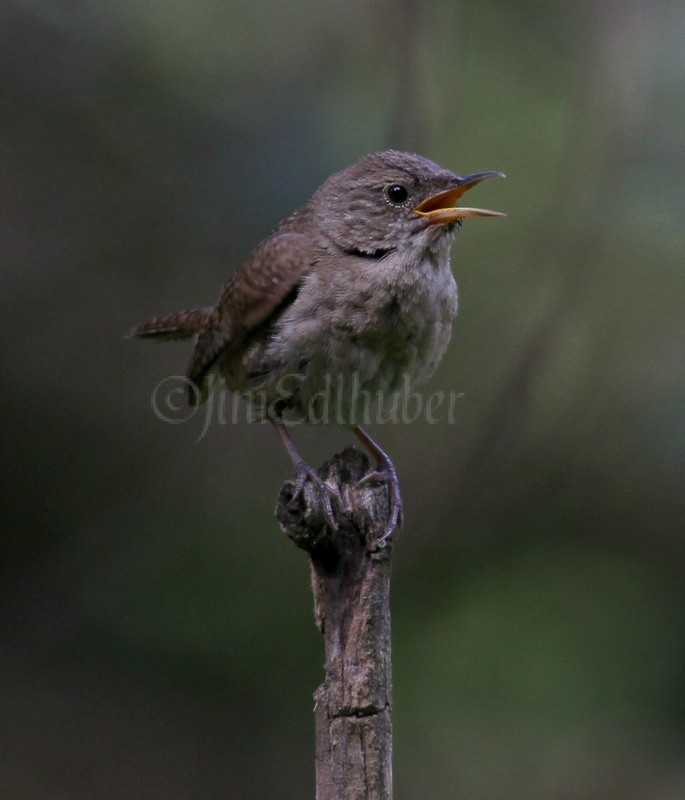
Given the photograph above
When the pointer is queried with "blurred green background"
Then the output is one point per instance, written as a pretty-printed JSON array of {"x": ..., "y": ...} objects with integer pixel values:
[{"x": 156, "y": 627}]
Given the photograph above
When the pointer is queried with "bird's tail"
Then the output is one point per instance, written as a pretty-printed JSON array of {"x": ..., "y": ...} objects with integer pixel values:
[
  {"x": 211, "y": 339},
  {"x": 179, "y": 325}
]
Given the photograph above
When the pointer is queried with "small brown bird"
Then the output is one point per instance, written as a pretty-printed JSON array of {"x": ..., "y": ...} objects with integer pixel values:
[{"x": 348, "y": 303}]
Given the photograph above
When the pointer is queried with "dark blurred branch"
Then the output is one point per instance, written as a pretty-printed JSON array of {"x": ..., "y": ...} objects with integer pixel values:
[{"x": 351, "y": 584}]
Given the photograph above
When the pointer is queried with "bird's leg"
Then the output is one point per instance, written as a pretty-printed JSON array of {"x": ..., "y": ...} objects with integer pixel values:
[
  {"x": 304, "y": 473},
  {"x": 385, "y": 472}
]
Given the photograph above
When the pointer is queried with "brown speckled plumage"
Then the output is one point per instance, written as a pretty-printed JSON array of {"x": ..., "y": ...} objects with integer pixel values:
[{"x": 351, "y": 297}]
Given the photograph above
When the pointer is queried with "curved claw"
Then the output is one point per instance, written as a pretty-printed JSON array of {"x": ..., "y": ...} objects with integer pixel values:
[
  {"x": 306, "y": 473},
  {"x": 384, "y": 473},
  {"x": 326, "y": 493}
]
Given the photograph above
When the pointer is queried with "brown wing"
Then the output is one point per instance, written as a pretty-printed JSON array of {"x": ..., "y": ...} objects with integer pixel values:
[{"x": 261, "y": 286}]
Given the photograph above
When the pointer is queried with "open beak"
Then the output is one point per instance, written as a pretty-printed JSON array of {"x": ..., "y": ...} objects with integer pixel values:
[{"x": 441, "y": 208}]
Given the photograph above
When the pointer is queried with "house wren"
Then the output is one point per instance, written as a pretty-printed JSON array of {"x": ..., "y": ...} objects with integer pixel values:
[{"x": 347, "y": 304}]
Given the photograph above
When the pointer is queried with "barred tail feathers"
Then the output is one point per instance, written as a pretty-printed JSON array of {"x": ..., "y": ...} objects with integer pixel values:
[
  {"x": 211, "y": 339},
  {"x": 178, "y": 325}
]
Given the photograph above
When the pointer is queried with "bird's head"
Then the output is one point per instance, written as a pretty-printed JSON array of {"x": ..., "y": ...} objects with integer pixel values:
[{"x": 391, "y": 200}]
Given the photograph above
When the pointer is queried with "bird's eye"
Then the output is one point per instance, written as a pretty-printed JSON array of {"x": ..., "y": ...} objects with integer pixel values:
[{"x": 396, "y": 193}]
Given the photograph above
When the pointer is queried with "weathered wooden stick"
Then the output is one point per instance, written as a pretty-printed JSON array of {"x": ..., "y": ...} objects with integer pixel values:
[{"x": 351, "y": 584}]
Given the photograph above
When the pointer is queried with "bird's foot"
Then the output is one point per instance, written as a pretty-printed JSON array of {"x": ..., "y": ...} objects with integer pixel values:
[
  {"x": 385, "y": 473},
  {"x": 304, "y": 473},
  {"x": 327, "y": 494}
]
